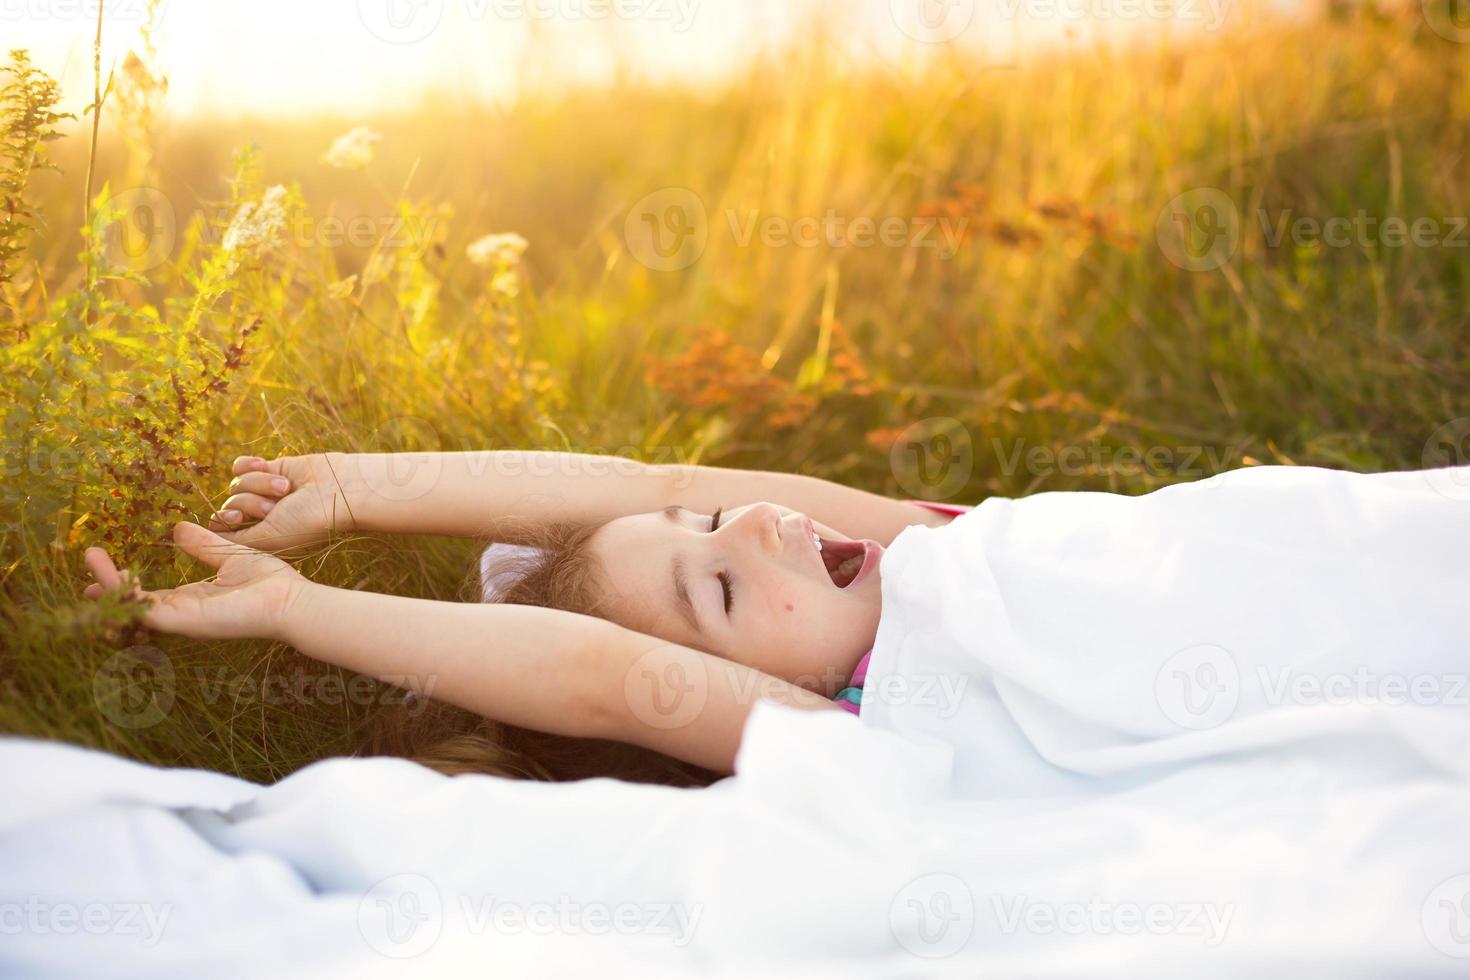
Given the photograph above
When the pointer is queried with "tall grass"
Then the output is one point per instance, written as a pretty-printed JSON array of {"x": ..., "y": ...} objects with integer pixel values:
[{"x": 1059, "y": 323}]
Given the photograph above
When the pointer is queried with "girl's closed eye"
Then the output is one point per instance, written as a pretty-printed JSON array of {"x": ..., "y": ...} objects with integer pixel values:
[{"x": 724, "y": 577}]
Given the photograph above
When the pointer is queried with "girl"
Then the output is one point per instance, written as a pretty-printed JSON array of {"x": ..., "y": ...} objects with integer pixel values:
[{"x": 671, "y": 602}]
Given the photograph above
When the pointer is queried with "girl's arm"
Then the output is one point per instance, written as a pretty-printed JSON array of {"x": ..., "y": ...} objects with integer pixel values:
[
  {"x": 542, "y": 669},
  {"x": 855, "y": 513},
  {"x": 296, "y": 498}
]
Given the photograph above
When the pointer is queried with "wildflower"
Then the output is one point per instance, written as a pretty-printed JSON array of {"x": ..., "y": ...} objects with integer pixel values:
[
  {"x": 506, "y": 284},
  {"x": 352, "y": 150},
  {"x": 885, "y": 438},
  {"x": 497, "y": 251},
  {"x": 138, "y": 81},
  {"x": 257, "y": 226}
]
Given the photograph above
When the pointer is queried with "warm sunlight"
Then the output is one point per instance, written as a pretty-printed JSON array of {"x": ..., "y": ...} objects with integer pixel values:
[
  {"x": 288, "y": 56},
  {"x": 519, "y": 489}
]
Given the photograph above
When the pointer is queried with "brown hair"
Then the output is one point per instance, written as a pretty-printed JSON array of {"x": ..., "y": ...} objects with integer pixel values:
[{"x": 560, "y": 574}]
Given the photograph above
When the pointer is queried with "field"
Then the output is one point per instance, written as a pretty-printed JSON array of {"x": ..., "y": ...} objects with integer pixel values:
[{"x": 1110, "y": 270}]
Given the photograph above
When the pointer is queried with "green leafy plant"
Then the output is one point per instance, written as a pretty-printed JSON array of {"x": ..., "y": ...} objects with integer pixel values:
[{"x": 28, "y": 120}]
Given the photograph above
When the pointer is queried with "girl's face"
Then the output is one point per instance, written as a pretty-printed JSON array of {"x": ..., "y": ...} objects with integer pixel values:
[{"x": 761, "y": 585}]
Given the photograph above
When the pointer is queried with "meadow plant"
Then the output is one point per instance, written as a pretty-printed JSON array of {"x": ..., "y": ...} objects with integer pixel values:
[{"x": 28, "y": 120}]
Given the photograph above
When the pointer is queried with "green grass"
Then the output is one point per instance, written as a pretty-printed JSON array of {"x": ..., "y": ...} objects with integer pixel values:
[{"x": 1058, "y": 325}]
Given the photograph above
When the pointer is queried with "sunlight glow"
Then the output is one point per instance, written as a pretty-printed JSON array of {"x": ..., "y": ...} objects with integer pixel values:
[{"x": 280, "y": 57}]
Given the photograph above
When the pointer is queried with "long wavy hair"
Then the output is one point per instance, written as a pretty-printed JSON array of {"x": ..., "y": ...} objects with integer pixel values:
[{"x": 559, "y": 574}]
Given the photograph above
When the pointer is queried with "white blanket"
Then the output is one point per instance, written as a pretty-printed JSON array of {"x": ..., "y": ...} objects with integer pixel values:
[
  {"x": 1068, "y": 642},
  {"x": 1024, "y": 796}
]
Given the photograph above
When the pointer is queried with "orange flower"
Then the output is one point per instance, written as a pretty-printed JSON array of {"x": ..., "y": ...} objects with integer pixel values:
[{"x": 717, "y": 374}]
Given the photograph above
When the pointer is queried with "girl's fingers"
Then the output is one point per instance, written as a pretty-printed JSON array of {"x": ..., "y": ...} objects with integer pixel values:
[
  {"x": 99, "y": 563},
  {"x": 225, "y": 521},
  {"x": 265, "y": 484},
  {"x": 207, "y": 546},
  {"x": 108, "y": 577},
  {"x": 249, "y": 464},
  {"x": 242, "y": 506}
]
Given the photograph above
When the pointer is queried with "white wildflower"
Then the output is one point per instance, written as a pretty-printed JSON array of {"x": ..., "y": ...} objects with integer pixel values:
[
  {"x": 497, "y": 251},
  {"x": 258, "y": 225},
  {"x": 353, "y": 150},
  {"x": 506, "y": 283}
]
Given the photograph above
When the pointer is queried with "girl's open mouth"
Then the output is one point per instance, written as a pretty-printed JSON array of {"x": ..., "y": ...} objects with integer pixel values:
[{"x": 849, "y": 561}]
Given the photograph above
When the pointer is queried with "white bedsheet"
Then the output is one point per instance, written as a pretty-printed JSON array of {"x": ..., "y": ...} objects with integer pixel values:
[
  {"x": 1068, "y": 642},
  {"x": 1054, "y": 814}
]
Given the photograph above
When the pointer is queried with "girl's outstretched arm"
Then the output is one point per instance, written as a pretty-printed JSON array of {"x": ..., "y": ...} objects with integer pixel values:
[
  {"x": 536, "y": 668},
  {"x": 296, "y": 499},
  {"x": 543, "y": 669}
]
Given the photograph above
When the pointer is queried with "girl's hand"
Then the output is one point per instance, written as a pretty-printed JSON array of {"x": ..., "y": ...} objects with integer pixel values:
[
  {"x": 294, "y": 501},
  {"x": 249, "y": 596}
]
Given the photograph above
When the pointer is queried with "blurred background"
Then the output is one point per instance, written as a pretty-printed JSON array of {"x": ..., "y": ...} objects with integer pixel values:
[
  {"x": 344, "y": 56},
  {"x": 934, "y": 248}
]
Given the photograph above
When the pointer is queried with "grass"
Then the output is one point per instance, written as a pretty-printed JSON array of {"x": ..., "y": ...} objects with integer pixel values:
[{"x": 1059, "y": 342}]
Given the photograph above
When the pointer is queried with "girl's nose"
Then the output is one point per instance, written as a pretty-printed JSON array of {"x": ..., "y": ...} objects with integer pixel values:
[{"x": 759, "y": 526}]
